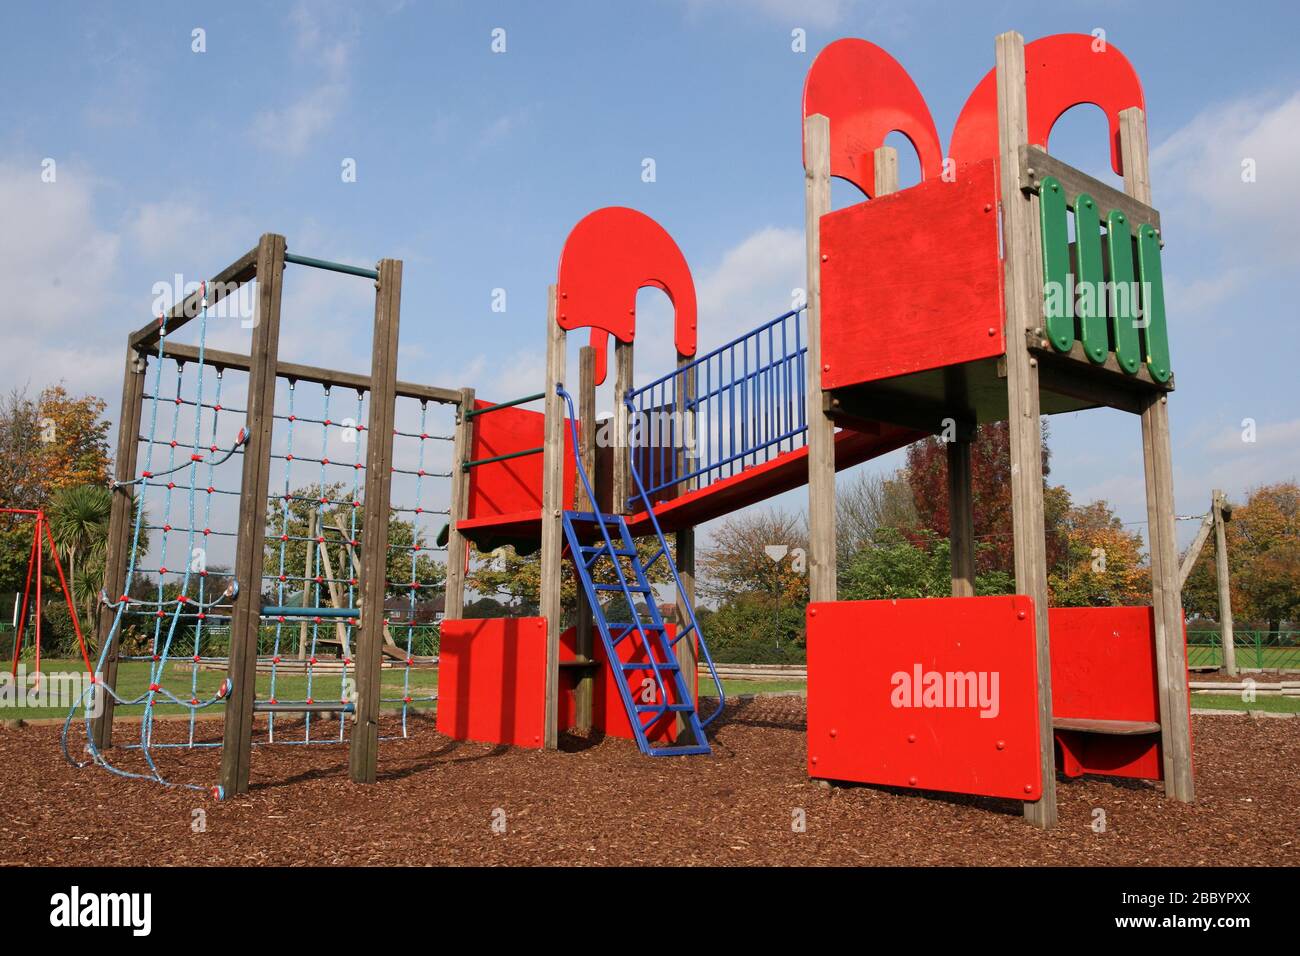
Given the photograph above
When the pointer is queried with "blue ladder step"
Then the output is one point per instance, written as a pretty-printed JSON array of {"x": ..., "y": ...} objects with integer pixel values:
[
  {"x": 659, "y": 708},
  {"x": 602, "y": 550},
  {"x": 631, "y": 588},
  {"x": 645, "y": 666}
]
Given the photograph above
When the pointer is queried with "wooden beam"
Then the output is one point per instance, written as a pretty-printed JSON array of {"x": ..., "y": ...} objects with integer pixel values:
[
  {"x": 623, "y": 369},
  {"x": 961, "y": 518},
  {"x": 1224, "y": 582},
  {"x": 821, "y": 430},
  {"x": 219, "y": 286},
  {"x": 250, "y": 553},
  {"x": 1036, "y": 164},
  {"x": 1023, "y": 283},
  {"x": 553, "y": 439},
  {"x": 1107, "y": 375},
  {"x": 121, "y": 525},
  {"x": 312, "y": 373},
  {"x": 457, "y": 546},
  {"x": 885, "y": 170},
  {"x": 1158, "y": 469},
  {"x": 1194, "y": 552},
  {"x": 364, "y": 746},
  {"x": 585, "y": 687}
]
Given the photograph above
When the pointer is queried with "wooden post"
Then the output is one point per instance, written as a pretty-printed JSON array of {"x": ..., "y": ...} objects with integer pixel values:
[
  {"x": 1023, "y": 282},
  {"x": 961, "y": 518},
  {"x": 553, "y": 439},
  {"x": 585, "y": 687},
  {"x": 821, "y": 430},
  {"x": 457, "y": 546},
  {"x": 685, "y": 544},
  {"x": 364, "y": 746},
  {"x": 885, "y": 170},
  {"x": 1225, "y": 590},
  {"x": 120, "y": 527},
  {"x": 250, "y": 553},
  {"x": 1157, "y": 461},
  {"x": 623, "y": 428}
]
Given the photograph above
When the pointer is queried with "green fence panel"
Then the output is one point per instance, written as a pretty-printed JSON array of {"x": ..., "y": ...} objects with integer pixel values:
[
  {"x": 1155, "y": 333},
  {"x": 1123, "y": 298},
  {"x": 1091, "y": 276},
  {"x": 1058, "y": 286}
]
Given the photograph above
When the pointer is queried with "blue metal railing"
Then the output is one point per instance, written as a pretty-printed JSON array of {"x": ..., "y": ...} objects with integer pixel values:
[{"x": 748, "y": 407}]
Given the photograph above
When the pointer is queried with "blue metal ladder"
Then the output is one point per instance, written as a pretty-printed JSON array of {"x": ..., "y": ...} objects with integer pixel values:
[{"x": 652, "y": 649}]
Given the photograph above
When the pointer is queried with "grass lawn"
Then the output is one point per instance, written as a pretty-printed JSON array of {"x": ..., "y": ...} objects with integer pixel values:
[
  {"x": 133, "y": 680},
  {"x": 1277, "y": 705}
]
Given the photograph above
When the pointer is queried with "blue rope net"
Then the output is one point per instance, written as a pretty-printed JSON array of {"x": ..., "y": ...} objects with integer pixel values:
[{"x": 174, "y": 612}]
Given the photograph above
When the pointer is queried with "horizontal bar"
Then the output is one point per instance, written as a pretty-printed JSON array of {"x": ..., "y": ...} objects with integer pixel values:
[
  {"x": 266, "y": 707},
  {"x": 220, "y": 285},
  {"x": 499, "y": 405},
  {"x": 311, "y": 373},
  {"x": 1035, "y": 164},
  {"x": 288, "y": 611},
  {"x": 487, "y": 461},
  {"x": 331, "y": 266}
]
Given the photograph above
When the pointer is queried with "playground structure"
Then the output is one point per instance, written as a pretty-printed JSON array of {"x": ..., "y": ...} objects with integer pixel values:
[
  {"x": 929, "y": 310},
  {"x": 42, "y": 539}
]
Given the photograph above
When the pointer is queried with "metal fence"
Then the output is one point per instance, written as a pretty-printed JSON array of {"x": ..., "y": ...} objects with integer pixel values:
[{"x": 1256, "y": 650}]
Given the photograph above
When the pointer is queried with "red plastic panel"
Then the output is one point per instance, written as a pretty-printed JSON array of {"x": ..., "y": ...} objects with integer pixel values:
[
  {"x": 871, "y": 720},
  {"x": 1061, "y": 72},
  {"x": 607, "y": 711},
  {"x": 609, "y": 255},
  {"x": 508, "y": 487},
  {"x": 912, "y": 280},
  {"x": 866, "y": 94},
  {"x": 1104, "y": 668},
  {"x": 492, "y": 680}
]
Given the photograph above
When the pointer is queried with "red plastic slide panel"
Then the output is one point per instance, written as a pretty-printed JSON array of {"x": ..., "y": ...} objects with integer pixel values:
[
  {"x": 935, "y": 693},
  {"x": 1061, "y": 72},
  {"x": 608, "y": 714},
  {"x": 866, "y": 95},
  {"x": 912, "y": 281},
  {"x": 515, "y": 485},
  {"x": 607, "y": 257},
  {"x": 1104, "y": 668},
  {"x": 492, "y": 680}
]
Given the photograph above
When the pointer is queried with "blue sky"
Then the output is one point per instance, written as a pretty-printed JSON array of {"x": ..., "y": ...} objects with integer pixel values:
[{"x": 472, "y": 166}]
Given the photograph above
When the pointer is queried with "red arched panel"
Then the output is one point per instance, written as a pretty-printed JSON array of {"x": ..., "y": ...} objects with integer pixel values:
[
  {"x": 1061, "y": 72},
  {"x": 866, "y": 94},
  {"x": 609, "y": 255}
]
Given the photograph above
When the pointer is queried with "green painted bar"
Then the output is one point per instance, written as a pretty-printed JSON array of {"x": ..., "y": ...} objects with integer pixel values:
[
  {"x": 1155, "y": 336},
  {"x": 514, "y": 454},
  {"x": 1090, "y": 275},
  {"x": 331, "y": 266},
  {"x": 474, "y": 412},
  {"x": 1123, "y": 300},
  {"x": 298, "y": 611},
  {"x": 1058, "y": 285}
]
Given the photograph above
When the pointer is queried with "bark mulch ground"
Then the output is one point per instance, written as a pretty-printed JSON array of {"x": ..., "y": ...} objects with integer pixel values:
[{"x": 603, "y": 803}]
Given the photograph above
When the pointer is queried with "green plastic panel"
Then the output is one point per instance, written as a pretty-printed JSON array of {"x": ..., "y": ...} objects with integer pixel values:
[
  {"x": 1123, "y": 300},
  {"x": 1155, "y": 336},
  {"x": 1093, "y": 332},
  {"x": 1058, "y": 286}
]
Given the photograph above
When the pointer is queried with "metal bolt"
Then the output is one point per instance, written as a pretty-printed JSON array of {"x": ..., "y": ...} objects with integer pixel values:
[
  {"x": 1033, "y": 363},
  {"x": 1021, "y": 615},
  {"x": 1029, "y": 788},
  {"x": 1002, "y": 745},
  {"x": 988, "y": 207},
  {"x": 825, "y": 257},
  {"x": 911, "y": 738},
  {"x": 834, "y": 732},
  {"x": 911, "y": 781},
  {"x": 992, "y": 331}
]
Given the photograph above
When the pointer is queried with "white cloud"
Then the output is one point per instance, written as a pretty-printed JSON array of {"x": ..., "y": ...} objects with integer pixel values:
[
  {"x": 1201, "y": 167},
  {"x": 292, "y": 128},
  {"x": 59, "y": 314}
]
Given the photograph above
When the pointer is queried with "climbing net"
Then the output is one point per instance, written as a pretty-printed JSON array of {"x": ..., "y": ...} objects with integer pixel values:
[{"x": 171, "y": 624}]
